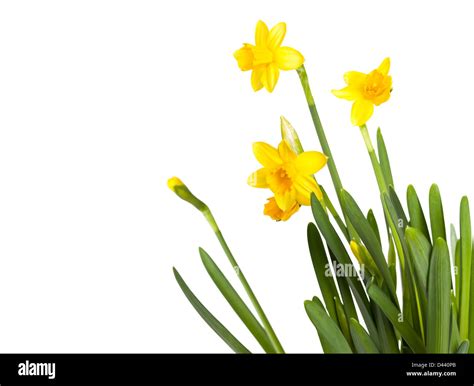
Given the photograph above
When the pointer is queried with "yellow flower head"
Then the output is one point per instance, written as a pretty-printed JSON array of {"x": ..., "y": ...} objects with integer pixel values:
[
  {"x": 287, "y": 175},
  {"x": 366, "y": 90},
  {"x": 266, "y": 58},
  {"x": 273, "y": 210}
]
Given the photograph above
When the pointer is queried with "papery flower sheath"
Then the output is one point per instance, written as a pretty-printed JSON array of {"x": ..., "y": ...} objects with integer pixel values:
[
  {"x": 287, "y": 175},
  {"x": 272, "y": 209},
  {"x": 266, "y": 58},
  {"x": 366, "y": 90}
]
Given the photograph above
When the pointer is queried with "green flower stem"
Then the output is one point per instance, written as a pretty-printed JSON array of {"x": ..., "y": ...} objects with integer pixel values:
[
  {"x": 324, "y": 143},
  {"x": 373, "y": 158},
  {"x": 266, "y": 324}
]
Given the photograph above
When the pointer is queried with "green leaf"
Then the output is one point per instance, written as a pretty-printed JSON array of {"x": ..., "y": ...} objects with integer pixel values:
[
  {"x": 383, "y": 159},
  {"x": 414, "y": 298},
  {"x": 453, "y": 242},
  {"x": 327, "y": 328},
  {"x": 362, "y": 341},
  {"x": 335, "y": 245},
  {"x": 466, "y": 252},
  {"x": 322, "y": 269},
  {"x": 217, "y": 326},
  {"x": 392, "y": 260},
  {"x": 373, "y": 223},
  {"x": 325, "y": 345},
  {"x": 471, "y": 306},
  {"x": 417, "y": 217},
  {"x": 387, "y": 337},
  {"x": 344, "y": 289},
  {"x": 463, "y": 347},
  {"x": 439, "y": 302},
  {"x": 397, "y": 205},
  {"x": 457, "y": 272},
  {"x": 369, "y": 238},
  {"x": 236, "y": 302},
  {"x": 343, "y": 323},
  {"x": 454, "y": 340},
  {"x": 420, "y": 251},
  {"x": 438, "y": 228},
  {"x": 393, "y": 314}
]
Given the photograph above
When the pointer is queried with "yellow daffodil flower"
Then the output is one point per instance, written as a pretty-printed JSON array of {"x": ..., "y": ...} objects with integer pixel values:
[
  {"x": 366, "y": 90},
  {"x": 273, "y": 210},
  {"x": 266, "y": 58},
  {"x": 287, "y": 175}
]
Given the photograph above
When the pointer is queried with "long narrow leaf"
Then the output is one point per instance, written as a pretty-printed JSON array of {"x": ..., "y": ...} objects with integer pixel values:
[
  {"x": 236, "y": 302},
  {"x": 466, "y": 245},
  {"x": 212, "y": 322},
  {"x": 387, "y": 337},
  {"x": 383, "y": 159},
  {"x": 417, "y": 217},
  {"x": 420, "y": 251},
  {"x": 393, "y": 314},
  {"x": 362, "y": 341},
  {"x": 343, "y": 323},
  {"x": 322, "y": 269},
  {"x": 454, "y": 340},
  {"x": 438, "y": 227},
  {"x": 327, "y": 328},
  {"x": 344, "y": 288},
  {"x": 463, "y": 347},
  {"x": 439, "y": 302},
  {"x": 373, "y": 223},
  {"x": 336, "y": 246},
  {"x": 369, "y": 238}
]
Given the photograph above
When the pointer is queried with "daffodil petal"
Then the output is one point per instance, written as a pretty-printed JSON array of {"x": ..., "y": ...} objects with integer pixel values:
[
  {"x": 271, "y": 209},
  {"x": 258, "y": 179},
  {"x": 303, "y": 198},
  {"x": 286, "y": 154},
  {"x": 288, "y": 58},
  {"x": 285, "y": 200},
  {"x": 305, "y": 185},
  {"x": 244, "y": 57},
  {"x": 355, "y": 79},
  {"x": 276, "y": 36},
  {"x": 270, "y": 77},
  {"x": 348, "y": 93},
  {"x": 310, "y": 162},
  {"x": 256, "y": 78},
  {"x": 384, "y": 67},
  {"x": 361, "y": 112},
  {"x": 261, "y": 34},
  {"x": 266, "y": 154}
]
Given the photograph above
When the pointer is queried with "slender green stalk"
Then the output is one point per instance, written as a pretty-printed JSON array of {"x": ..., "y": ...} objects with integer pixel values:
[
  {"x": 266, "y": 324},
  {"x": 323, "y": 141},
  {"x": 373, "y": 158}
]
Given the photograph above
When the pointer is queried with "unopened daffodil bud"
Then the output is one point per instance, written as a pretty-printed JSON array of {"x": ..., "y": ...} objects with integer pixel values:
[{"x": 182, "y": 191}]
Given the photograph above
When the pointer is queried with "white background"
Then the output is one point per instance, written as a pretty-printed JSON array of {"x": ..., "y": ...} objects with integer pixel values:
[{"x": 102, "y": 101}]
